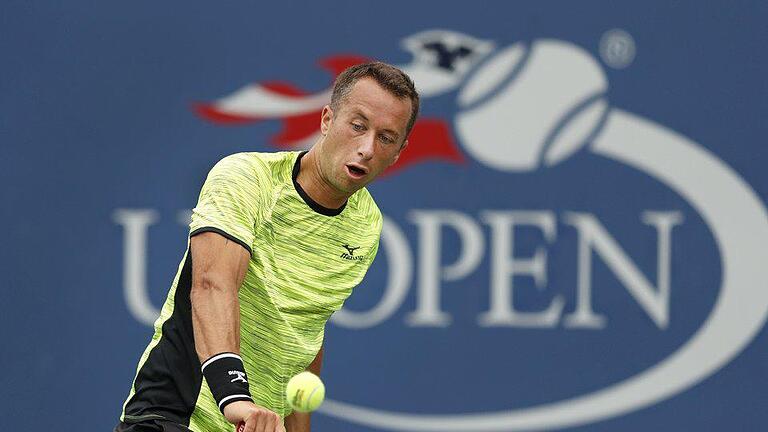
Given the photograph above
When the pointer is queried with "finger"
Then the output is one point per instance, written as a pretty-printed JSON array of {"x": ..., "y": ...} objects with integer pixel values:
[
  {"x": 258, "y": 423},
  {"x": 250, "y": 424},
  {"x": 269, "y": 422},
  {"x": 263, "y": 422}
]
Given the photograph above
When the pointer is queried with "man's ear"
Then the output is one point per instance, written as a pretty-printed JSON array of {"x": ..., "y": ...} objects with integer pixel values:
[
  {"x": 326, "y": 118},
  {"x": 397, "y": 156}
]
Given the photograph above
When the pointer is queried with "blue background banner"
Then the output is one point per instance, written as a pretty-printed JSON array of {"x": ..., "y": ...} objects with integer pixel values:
[{"x": 575, "y": 241}]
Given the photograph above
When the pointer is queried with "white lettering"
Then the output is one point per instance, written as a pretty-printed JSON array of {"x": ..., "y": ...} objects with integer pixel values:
[
  {"x": 428, "y": 313},
  {"x": 594, "y": 237},
  {"x": 504, "y": 266},
  {"x": 135, "y": 223}
]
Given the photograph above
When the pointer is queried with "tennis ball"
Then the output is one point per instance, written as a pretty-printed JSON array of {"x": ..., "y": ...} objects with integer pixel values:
[{"x": 305, "y": 392}]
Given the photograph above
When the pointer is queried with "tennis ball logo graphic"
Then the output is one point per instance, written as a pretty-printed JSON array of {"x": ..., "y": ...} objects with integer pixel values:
[
  {"x": 529, "y": 106},
  {"x": 305, "y": 392}
]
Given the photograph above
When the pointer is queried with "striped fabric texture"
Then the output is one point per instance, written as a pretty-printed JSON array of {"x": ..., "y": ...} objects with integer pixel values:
[{"x": 303, "y": 267}]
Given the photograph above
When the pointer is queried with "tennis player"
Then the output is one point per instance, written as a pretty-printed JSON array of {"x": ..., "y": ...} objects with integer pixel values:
[{"x": 277, "y": 243}]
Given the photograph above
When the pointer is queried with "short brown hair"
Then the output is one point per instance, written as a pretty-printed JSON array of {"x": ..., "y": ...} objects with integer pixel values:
[{"x": 387, "y": 76}]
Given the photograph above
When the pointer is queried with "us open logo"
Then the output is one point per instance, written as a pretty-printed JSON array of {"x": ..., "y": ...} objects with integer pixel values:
[
  {"x": 552, "y": 97},
  {"x": 589, "y": 207}
]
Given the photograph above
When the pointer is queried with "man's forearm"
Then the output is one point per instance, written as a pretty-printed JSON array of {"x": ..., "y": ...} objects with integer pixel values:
[
  {"x": 218, "y": 270},
  {"x": 215, "y": 320}
]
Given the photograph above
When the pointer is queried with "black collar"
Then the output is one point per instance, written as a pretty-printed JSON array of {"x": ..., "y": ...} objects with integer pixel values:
[{"x": 314, "y": 205}]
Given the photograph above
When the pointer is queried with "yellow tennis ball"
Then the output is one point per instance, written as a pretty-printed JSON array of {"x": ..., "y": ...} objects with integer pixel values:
[{"x": 305, "y": 392}]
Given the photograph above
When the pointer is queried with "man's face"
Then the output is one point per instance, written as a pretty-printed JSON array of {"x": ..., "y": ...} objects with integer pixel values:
[{"x": 363, "y": 137}]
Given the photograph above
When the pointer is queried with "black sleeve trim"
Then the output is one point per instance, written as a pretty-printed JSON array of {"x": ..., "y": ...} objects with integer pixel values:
[{"x": 223, "y": 233}]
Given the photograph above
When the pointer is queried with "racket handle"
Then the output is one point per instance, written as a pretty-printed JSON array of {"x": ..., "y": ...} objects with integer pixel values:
[{"x": 240, "y": 427}]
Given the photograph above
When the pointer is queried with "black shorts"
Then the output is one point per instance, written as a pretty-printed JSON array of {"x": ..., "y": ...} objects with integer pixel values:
[{"x": 151, "y": 426}]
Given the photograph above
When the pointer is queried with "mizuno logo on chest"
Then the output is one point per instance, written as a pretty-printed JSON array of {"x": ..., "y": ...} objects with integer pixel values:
[{"x": 350, "y": 253}]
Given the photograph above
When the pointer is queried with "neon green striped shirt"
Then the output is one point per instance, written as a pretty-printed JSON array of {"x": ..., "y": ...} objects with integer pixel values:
[{"x": 305, "y": 261}]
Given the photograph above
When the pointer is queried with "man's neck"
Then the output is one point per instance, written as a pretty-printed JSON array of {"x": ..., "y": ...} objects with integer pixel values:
[{"x": 313, "y": 184}]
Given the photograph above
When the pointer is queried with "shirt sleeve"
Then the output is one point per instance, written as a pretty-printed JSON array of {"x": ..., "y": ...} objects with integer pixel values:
[{"x": 231, "y": 201}]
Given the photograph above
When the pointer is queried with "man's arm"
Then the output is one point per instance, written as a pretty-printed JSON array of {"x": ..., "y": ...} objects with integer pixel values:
[
  {"x": 300, "y": 422},
  {"x": 218, "y": 270}
]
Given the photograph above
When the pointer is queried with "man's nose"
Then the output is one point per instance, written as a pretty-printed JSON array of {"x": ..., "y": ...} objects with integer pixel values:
[{"x": 365, "y": 150}]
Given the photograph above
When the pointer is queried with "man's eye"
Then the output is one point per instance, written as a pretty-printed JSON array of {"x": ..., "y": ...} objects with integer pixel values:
[
  {"x": 358, "y": 127},
  {"x": 386, "y": 139}
]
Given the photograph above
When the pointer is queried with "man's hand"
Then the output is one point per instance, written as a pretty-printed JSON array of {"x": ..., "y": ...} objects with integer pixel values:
[{"x": 256, "y": 418}]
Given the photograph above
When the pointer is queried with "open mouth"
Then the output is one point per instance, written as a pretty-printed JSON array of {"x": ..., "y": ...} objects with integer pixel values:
[{"x": 356, "y": 171}]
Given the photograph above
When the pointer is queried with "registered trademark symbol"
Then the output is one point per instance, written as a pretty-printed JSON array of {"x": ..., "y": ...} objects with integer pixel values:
[{"x": 617, "y": 48}]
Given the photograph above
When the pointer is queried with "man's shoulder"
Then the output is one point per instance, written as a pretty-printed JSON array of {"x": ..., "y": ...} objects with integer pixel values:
[
  {"x": 260, "y": 160},
  {"x": 263, "y": 164}
]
